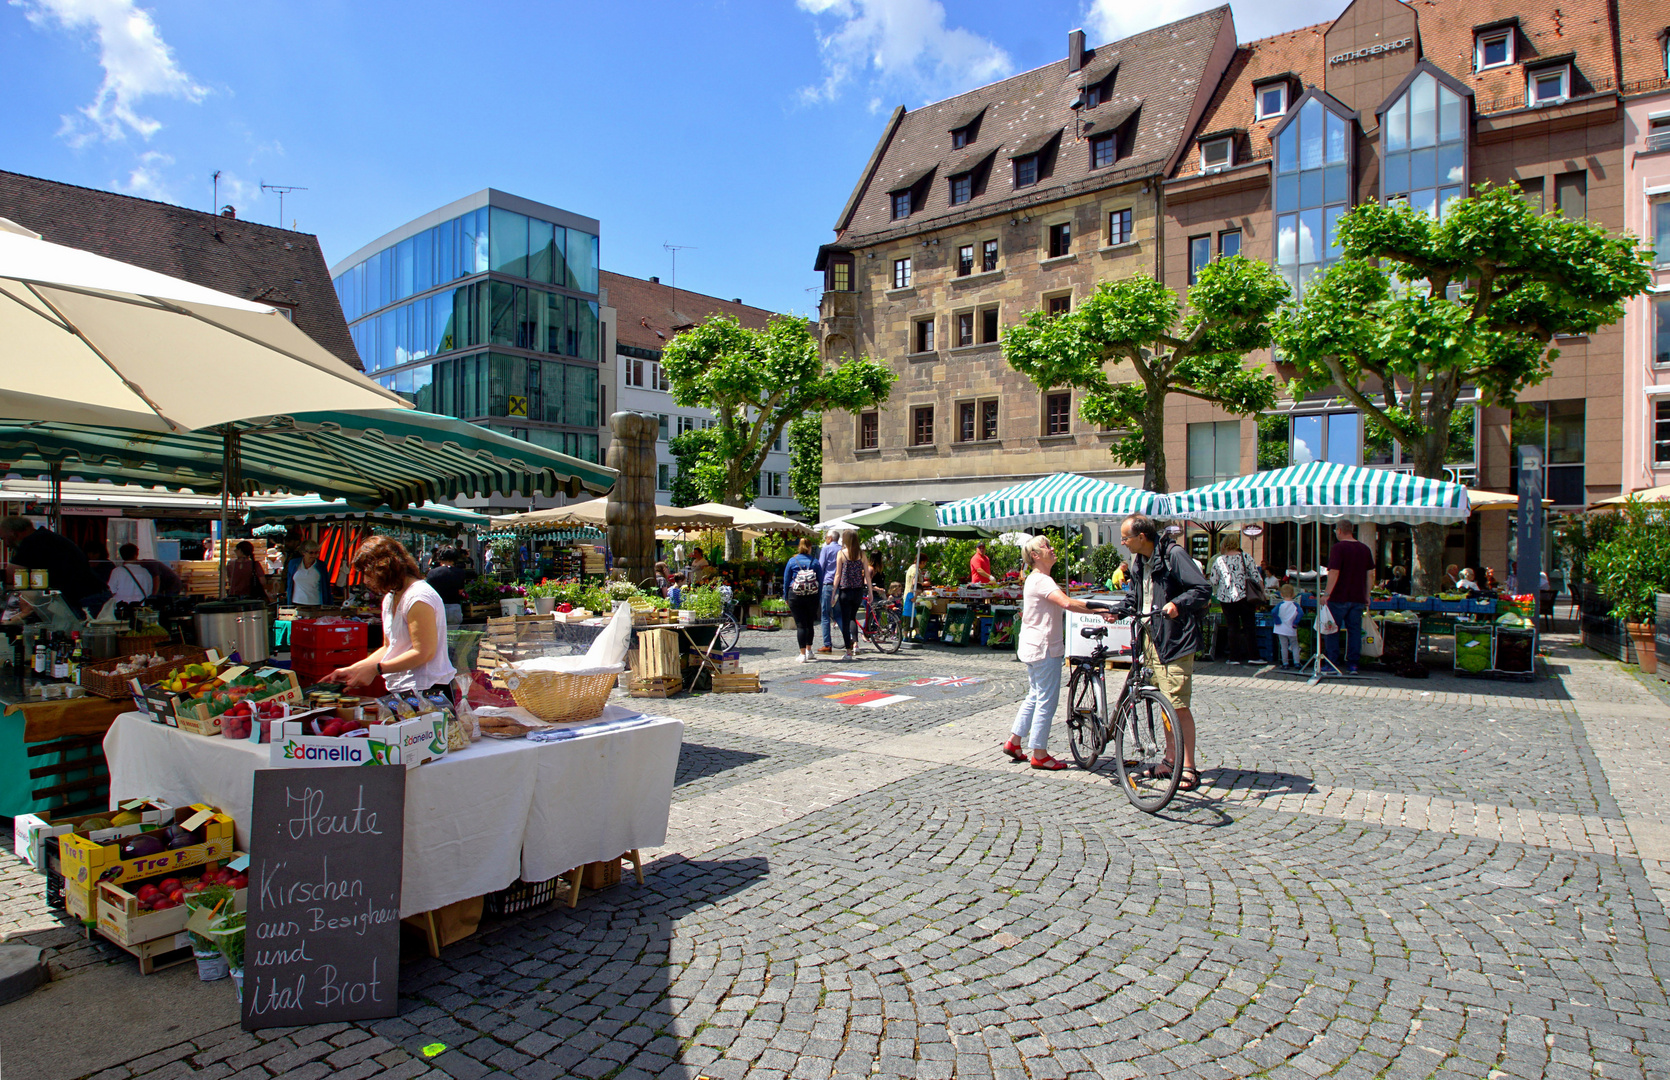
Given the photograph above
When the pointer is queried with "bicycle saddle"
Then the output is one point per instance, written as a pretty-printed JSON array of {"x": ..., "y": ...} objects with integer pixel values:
[{"x": 1094, "y": 632}]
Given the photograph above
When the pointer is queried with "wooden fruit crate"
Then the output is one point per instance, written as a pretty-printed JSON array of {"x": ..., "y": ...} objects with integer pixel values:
[
  {"x": 100, "y": 678},
  {"x": 157, "y": 939},
  {"x": 736, "y": 682},
  {"x": 656, "y": 686}
]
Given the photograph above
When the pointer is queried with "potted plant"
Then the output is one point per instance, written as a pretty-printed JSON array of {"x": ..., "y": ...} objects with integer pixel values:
[
  {"x": 544, "y": 596},
  {"x": 229, "y": 934},
  {"x": 1631, "y": 566},
  {"x": 211, "y": 963}
]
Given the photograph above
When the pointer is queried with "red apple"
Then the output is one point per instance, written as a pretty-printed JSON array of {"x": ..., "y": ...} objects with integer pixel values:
[
  {"x": 164, "y": 903},
  {"x": 239, "y": 881},
  {"x": 147, "y": 892},
  {"x": 168, "y": 885}
]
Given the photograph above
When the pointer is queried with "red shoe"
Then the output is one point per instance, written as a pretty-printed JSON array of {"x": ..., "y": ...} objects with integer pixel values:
[
  {"x": 1048, "y": 764},
  {"x": 1013, "y": 749}
]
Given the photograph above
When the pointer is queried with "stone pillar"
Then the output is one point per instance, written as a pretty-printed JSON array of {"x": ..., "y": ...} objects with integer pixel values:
[{"x": 631, "y": 506}]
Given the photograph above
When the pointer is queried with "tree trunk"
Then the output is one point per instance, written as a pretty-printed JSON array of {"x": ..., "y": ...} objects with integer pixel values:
[
  {"x": 1428, "y": 571},
  {"x": 1154, "y": 440},
  {"x": 1429, "y": 558}
]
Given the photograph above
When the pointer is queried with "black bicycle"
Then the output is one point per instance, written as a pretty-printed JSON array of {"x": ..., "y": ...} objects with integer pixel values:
[{"x": 1143, "y": 725}]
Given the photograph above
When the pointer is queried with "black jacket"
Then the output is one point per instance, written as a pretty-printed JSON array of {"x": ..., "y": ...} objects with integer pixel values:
[{"x": 1178, "y": 581}]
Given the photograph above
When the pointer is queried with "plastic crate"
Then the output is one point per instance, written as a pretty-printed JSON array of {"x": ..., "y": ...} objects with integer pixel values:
[
  {"x": 1516, "y": 650},
  {"x": 519, "y": 897},
  {"x": 1474, "y": 648},
  {"x": 315, "y": 634}
]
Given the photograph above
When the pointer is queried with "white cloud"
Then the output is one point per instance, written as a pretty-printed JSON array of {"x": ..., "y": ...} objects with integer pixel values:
[
  {"x": 137, "y": 64},
  {"x": 1110, "y": 20},
  {"x": 900, "y": 44},
  {"x": 146, "y": 179}
]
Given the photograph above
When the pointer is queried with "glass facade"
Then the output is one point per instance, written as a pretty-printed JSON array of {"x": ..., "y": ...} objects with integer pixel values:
[
  {"x": 1313, "y": 190},
  {"x": 480, "y": 313},
  {"x": 1423, "y": 141}
]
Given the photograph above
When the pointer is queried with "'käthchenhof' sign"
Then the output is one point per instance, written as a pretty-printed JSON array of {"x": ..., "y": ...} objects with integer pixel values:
[{"x": 1372, "y": 50}]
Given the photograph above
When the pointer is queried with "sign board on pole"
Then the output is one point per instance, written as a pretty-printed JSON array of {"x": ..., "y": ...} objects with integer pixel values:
[
  {"x": 1528, "y": 538},
  {"x": 322, "y": 941}
]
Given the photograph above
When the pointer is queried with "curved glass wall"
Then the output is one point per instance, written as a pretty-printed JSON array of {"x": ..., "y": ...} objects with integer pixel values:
[
  {"x": 517, "y": 388},
  {"x": 1423, "y": 140},
  {"x": 1313, "y": 190},
  {"x": 480, "y": 313}
]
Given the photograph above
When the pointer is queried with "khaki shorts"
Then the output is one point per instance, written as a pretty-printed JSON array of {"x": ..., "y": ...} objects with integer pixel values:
[{"x": 1176, "y": 679}]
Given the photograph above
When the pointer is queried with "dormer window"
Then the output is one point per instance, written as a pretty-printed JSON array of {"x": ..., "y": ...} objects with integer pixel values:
[
  {"x": 1104, "y": 150},
  {"x": 1217, "y": 154},
  {"x": 959, "y": 138},
  {"x": 962, "y": 188},
  {"x": 901, "y": 204},
  {"x": 1493, "y": 48},
  {"x": 1026, "y": 170},
  {"x": 1270, "y": 100},
  {"x": 1092, "y": 96},
  {"x": 1549, "y": 86}
]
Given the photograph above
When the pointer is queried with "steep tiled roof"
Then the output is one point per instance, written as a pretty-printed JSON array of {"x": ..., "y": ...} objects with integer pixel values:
[
  {"x": 1641, "y": 27},
  {"x": 1296, "y": 52},
  {"x": 649, "y": 313},
  {"x": 1162, "y": 68},
  {"x": 256, "y": 262}
]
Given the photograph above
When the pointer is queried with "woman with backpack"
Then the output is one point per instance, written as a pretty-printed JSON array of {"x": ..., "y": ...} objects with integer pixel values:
[
  {"x": 1238, "y": 587},
  {"x": 803, "y": 587}
]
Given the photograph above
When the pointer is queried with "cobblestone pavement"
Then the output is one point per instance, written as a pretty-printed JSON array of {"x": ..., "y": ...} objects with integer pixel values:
[{"x": 1378, "y": 878}]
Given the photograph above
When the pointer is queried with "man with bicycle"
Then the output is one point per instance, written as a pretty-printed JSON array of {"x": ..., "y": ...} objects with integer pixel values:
[{"x": 1165, "y": 580}]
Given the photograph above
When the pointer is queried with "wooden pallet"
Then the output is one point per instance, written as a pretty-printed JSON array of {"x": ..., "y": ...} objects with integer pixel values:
[
  {"x": 656, "y": 686},
  {"x": 736, "y": 682}
]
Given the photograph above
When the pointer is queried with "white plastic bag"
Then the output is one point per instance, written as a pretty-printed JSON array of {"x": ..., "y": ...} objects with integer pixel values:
[
  {"x": 1372, "y": 638},
  {"x": 1325, "y": 623}
]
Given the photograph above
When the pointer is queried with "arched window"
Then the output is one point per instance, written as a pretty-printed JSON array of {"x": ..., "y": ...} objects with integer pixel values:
[
  {"x": 1313, "y": 187},
  {"x": 1423, "y": 145}
]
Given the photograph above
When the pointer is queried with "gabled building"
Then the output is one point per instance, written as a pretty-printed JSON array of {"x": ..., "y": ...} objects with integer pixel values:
[{"x": 977, "y": 210}]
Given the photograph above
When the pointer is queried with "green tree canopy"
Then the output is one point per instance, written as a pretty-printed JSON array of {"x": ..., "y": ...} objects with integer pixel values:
[
  {"x": 1420, "y": 310},
  {"x": 756, "y": 382},
  {"x": 1199, "y": 352},
  {"x": 806, "y": 462}
]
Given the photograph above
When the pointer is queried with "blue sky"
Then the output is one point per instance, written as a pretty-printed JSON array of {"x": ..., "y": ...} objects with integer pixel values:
[{"x": 735, "y": 128}]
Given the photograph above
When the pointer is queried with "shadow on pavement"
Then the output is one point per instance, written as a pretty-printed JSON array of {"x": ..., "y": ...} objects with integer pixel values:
[{"x": 696, "y": 761}]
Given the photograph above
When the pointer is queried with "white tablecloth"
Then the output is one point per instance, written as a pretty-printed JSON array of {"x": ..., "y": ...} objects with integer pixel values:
[{"x": 476, "y": 820}]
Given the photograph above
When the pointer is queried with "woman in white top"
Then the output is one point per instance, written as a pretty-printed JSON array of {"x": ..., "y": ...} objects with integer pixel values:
[
  {"x": 1041, "y": 646},
  {"x": 414, "y": 655}
]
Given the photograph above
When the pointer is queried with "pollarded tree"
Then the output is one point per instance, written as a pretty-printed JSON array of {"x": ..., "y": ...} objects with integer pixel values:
[
  {"x": 1199, "y": 352},
  {"x": 806, "y": 462},
  {"x": 1420, "y": 310}
]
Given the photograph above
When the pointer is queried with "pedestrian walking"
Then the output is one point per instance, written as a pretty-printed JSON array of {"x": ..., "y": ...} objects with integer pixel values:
[
  {"x": 852, "y": 577},
  {"x": 802, "y": 587},
  {"x": 1166, "y": 581},
  {"x": 1231, "y": 576},
  {"x": 1041, "y": 645},
  {"x": 1350, "y": 580},
  {"x": 827, "y": 555}
]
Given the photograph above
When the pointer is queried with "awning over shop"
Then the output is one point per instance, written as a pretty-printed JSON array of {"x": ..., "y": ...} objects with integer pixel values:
[
  {"x": 312, "y": 509},
  {"x": 1322, "y": 490},
  {"x": 1059, "y": 499}
]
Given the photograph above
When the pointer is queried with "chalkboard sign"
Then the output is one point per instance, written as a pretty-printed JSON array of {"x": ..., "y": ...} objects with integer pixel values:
[{"x": 322, "y": 941}]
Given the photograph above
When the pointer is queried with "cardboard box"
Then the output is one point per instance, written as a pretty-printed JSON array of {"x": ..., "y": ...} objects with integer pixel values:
[
  {"x": 31, "y": 831},
  {"x": 85, "y": 863},
  {"x": 122, "y": 920},
  {"x": 196, "y": 718},
  {"x": 408, "y": 742}
]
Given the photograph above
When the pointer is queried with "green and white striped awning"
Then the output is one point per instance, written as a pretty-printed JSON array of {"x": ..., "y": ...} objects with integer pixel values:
[
  {"x": 1322, "y": 490},
  {"x": 309, "y": 509},
  {"x": 1059, "y": 499},
  {"x": 393, "y": 456}
]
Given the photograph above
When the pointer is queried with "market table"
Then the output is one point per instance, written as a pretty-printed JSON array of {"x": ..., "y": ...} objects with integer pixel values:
[
  {"x": 476, "y": 820},
  {"x": 49, "y": 753}
]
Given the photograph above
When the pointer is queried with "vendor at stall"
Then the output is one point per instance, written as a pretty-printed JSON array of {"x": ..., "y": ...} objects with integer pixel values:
[
  {"x": 414, "y": 654},
  {"x": 245, "y": 577},
  {"x": 130, "y": 583},
  {"x": 65, "y": 564},
  {"x": 309, "y": 585},
  {"x": 980, "y": 566}
]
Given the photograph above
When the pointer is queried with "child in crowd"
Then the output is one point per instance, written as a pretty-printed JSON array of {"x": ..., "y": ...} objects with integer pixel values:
[
  {"x": 1287, "y": 629},
  {"x": 675, "y": 591}
]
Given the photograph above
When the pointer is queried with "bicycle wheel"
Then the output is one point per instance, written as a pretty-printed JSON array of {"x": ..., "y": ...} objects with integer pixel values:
[
  {"x": 1086, "y": 704},
  {"x": 1145, "y": 733},
  {"x": 728, "y": 634},
  {"x": 887, "y": 633}
]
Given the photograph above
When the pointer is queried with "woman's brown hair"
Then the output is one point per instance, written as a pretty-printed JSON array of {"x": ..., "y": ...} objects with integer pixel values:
[
  {"x": 805, "y": 545},
  {"x": 849, "y": 542},
  {"x": 385, "y": 564}
]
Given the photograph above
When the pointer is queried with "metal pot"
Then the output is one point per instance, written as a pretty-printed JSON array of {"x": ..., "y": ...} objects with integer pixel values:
[
  {"x": 102, "y": 639},
  {"x": 238, "y": 626}
]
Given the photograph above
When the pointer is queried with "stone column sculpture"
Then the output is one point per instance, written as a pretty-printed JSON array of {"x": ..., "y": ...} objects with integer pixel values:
[{"x": 631, "y": 506}]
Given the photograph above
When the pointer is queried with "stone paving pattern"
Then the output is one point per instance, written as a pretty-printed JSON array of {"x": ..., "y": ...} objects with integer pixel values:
[{"x": 1379, "y": 878}]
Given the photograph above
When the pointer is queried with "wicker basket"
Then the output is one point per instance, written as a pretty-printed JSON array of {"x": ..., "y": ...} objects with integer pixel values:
[
  {"x": 557, "y": 696},
  {"x": 99, "y": 678}
]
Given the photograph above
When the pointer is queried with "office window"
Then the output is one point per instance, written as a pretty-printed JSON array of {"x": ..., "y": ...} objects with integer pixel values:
[
  {"x": 1026, "y": 170},
  {"x": 1424, "y": 139},
  {"x": 1571, "y": 194},
  {"x": 988, "y": 256},
  {"x": 662, "y": 419},
  {"x": 1550, "y": 86},
  {"x": 1558, "y": 428},
  {"x": 1661, "y": 433},
  {"x": 1335, "y": 437},
  {"x": 1661, "y": 231},
  {"x": 869, "y": 427},
  {"x": 965, "y": 328},
  {"x": 966, "y": 417},
  {"x": 1061, "y": 240},
  {"x": 1214, "y": 452},
  {"x": 1200, "y": 253},
  {"x": 901, "y": 204},
  {"x": 1059, "y": 305},
  {"x": 901, "y": 273},
  {"x": 1058, "y": 414},
  {"x": 988, "y": 419},
  {"x": 924, "y": 335},
  {"x": 965, "y": 260},
  {"x": 1661, "y": 331},
  {"x": 1531, "y": 190},
  {"x": 1313, "y": 169},
  {"x": 1119, "y": 227},
  {"x": 1270, "y": 101},
  {"x": 988, "y": 326},
  {"x": 769, "y": 484},
  {"x": 1103, "y": 150},
  {"x": 663, "y": 478},
  {"x": 686, "y": 424},
  {"x": 1229, "y": 243},
  {"x": 922, "y": 425},
  {"x": 1217, "y": 154},
  {"x": 1493, "y": 48}
]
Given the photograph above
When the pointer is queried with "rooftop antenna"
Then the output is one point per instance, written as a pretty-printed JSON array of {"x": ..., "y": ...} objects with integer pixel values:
[
  {"x": 282, "y": 190},
  {"x": 672, "y": 280},
  {"x": 214, "y": 208}
]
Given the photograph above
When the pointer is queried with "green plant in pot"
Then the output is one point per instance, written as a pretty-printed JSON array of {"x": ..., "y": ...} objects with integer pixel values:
[
  {"x": 704, "y": 602},
  {"x": 211, "y": 963},
  {"x": 1631, "y": 566}
]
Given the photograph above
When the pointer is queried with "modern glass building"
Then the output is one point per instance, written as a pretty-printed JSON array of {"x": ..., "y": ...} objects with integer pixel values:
[{"x": 485, "y": 309}]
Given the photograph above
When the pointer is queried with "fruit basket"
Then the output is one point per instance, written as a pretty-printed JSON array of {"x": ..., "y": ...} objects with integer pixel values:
[{"x": 102, "y": 678}]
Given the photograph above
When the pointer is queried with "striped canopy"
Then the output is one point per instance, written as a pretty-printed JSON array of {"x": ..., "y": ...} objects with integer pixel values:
[
  {"x": 1322, "y": 490},
  {"x": 1059, "y": 499},
  {"x": 310, "y": 509},
  {"x": 369, "y": 458}
]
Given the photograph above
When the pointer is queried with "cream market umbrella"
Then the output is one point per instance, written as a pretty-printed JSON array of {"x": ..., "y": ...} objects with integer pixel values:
[
  {"x": 1496, "y": 500},
  {"x": 90, "y": 340},
  {"x": 752, "y": 519},
  {"x": 594, "y": 512},
  {"x": 1652, "y": 494}
]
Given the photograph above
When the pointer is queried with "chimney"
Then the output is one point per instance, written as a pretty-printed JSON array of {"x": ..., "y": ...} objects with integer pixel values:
[
  {"x": 1075, "y": 50},
  {"x": 736, "y": 300},
  {"x": 655, "y": 281},
  {"x": 229, "y": 211}
]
